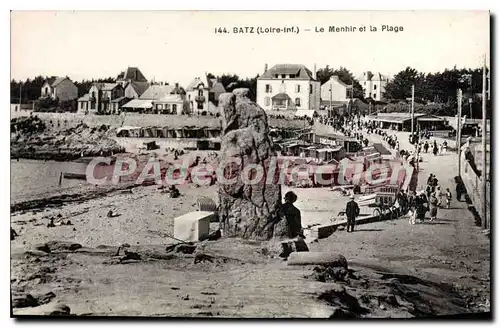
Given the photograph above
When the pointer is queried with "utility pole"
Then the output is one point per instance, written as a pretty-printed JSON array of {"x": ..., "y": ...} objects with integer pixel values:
[
  {"x": 331, "y": 100},
  {"x": 470, "y": 99},
  {"x": 484, "y": 170},
  {"x": 412, "y": 109},
  {"x": 20, "y": 94},
  {"x": 459, "y": 128}
]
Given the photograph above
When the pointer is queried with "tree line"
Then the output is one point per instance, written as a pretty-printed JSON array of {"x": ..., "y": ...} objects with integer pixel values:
[
  {"x": 436, "y": 90},
  {"x": 439, "y": 90},
  {"x": 439, "y": 87}
]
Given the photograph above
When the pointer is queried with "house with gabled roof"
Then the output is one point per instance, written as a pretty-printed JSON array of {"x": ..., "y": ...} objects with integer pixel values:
[
  {"x": 158, "y": 99},
  {"x": 59, "y": 88},
  {"x": 135, "y": 89},
  {"x": 129, "y": 75},
  {"x": 105, "y": 98},
  {"x": 373, "y": 85},
  {"x": 203, "y": 94},
  {"x": 288, "y": 87}
]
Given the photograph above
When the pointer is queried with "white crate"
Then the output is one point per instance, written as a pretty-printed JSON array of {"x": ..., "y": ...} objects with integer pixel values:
[{"x": 193, "y": 226}]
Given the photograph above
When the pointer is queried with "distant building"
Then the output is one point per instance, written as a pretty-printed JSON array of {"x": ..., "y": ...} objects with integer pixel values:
[
  {"x": 288, "y": 87},
  {"x": 203, "y": 94},
  {"x": 134, "y": 89},
  {"x": 59, "y": 88},
  {"x": 373, "y": 85},
  {"x": 334, "y": 90},
  {"x": 158, "y": 99},
  {"x": 129, "y": 75},
  {"x": 105, "y": 98}
]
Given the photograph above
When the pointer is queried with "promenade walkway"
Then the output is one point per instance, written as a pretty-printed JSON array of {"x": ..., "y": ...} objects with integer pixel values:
[{"x": 451, "y": 249}]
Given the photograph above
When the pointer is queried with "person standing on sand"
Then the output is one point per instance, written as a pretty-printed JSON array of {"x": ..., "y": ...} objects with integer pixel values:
[
  {"x": 351, "y": 211},
  {"x": 292, "y": 215}
]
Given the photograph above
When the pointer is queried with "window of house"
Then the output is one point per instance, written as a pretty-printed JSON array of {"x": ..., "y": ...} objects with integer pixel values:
[
  {"x": 200, "y": 105},
  {"x": 159, "y": 106},
  {"x": 276, "y": 75},
  {"x": 93, "y": 94},
  {"x": 375, "y": 87},
  {"x": 167, "y": 106},
  {"x": 46, "y": 90},
  {"x": 297, "y": 88},
  {"x": 283, "y": 76},
  {"x": 292, "y": 76},
  {"x": 174, "y": 109},
  {"x": 364, "y": 83},
  {"x": 374, "y": 95},
  {"x": 310, "y": 88},
  {"x": 297, "y": 102},
  {"x": 268, "y": 88},
  {"x": 267, "y": 101},
  {"x": 200, "y": 93}
]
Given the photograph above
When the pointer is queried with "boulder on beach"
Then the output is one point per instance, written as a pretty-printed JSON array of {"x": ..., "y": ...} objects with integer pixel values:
[{"x": 248, "y": 208}]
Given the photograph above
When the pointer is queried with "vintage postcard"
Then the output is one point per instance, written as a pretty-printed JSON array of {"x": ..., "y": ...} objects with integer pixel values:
[{"x": 250, "y": 164}]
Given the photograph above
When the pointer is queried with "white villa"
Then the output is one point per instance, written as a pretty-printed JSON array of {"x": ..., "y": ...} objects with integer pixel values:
[
  {"x": 334, "y": 90},
  {"x": 373, "y": 85},
  {"x": 288, "y": 87}
]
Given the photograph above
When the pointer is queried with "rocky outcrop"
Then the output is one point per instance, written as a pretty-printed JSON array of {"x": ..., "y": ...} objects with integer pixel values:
[
  {"x": 247, "y": 209},
  {"x": 32, "y": 139}
]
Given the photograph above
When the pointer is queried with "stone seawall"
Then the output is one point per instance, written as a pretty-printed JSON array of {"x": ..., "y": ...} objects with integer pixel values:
[{"x": 68, "y": 120}]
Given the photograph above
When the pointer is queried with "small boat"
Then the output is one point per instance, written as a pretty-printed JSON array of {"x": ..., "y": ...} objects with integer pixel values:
[{"x": 75, "y": 176}]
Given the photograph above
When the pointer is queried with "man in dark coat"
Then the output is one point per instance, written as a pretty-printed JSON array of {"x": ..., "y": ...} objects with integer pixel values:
[
  {"x": 351, "y": 211},
  {"x": 292, "y": 215}
]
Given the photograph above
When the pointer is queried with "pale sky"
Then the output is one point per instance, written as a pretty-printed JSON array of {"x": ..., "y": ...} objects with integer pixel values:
[{"x": 178, "y": 46}]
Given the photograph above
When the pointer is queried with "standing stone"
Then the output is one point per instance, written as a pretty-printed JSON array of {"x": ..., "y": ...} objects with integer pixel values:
[{"x": 247, "y": 210}]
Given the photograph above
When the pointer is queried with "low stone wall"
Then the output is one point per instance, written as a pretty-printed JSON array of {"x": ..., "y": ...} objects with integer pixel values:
[
  {"x": 143, "y": 120},
  {"x": 475, "y": 191}
]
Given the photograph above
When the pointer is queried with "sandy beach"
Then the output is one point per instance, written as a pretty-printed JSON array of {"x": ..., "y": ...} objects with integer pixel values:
[{"x": 391, "y": 263}]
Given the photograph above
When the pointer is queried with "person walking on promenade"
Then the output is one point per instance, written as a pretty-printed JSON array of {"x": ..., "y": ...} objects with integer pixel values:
[
  {"x": 351, "y": 211},
  {"x": 439, "y": 195},
  {"x": 433, "y": 206},
  {"x": 460, "y": 188},
  {"x": 445, "y": 147},
  {"x": 435, "y": 148},
  {"x": 426, "y": 147},
  {"x": 421, "y": 206},
  {"x": 448, "y": 197},
  {"x": 430, "y": 178}
]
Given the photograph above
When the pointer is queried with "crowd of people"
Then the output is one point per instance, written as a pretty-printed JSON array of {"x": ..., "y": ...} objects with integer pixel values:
[{"x": 430, "y": 200}]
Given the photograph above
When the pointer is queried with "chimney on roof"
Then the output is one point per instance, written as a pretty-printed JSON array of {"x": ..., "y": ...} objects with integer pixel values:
[
  {"x": 265, "y": 68},
  {"x": 314, "y": 71}
]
